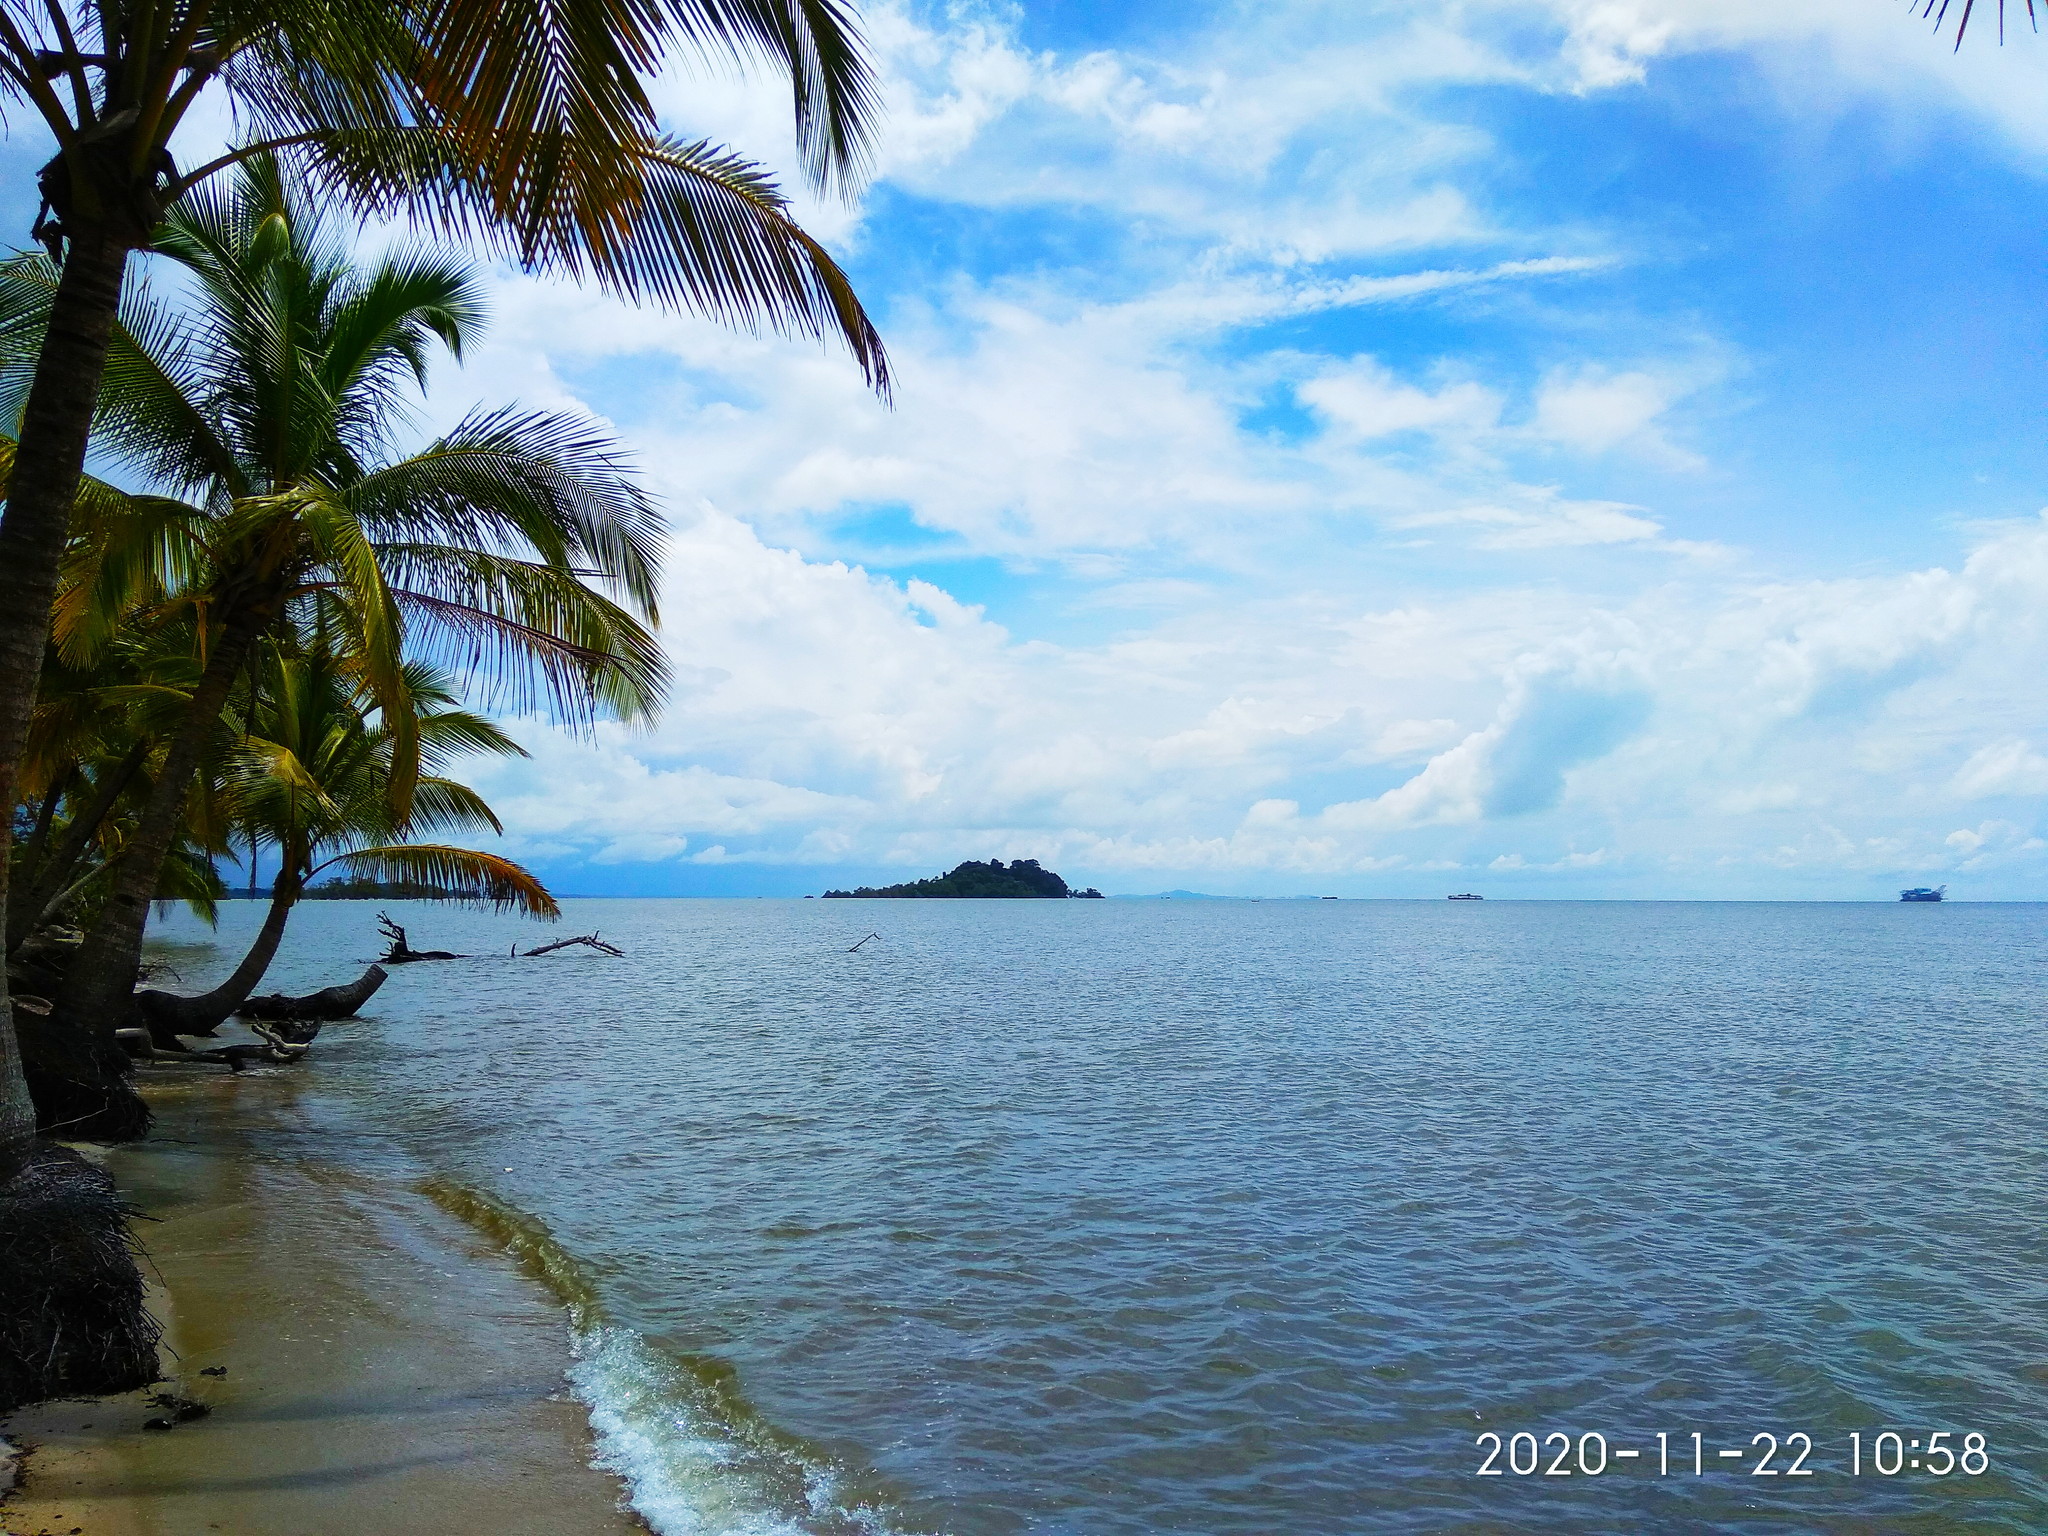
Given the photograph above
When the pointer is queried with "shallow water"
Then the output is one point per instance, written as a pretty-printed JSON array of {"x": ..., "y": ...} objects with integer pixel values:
[{"x": 1120, "y": 1217}]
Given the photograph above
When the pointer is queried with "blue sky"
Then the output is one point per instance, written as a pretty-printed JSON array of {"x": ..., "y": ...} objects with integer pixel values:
[{"x": 1564, "y": 448}]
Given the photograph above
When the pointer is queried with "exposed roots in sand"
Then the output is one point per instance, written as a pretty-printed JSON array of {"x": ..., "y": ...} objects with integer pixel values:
[
  {"x": 72, "y": 1323},
  {"x": 80, "y": 1082}
]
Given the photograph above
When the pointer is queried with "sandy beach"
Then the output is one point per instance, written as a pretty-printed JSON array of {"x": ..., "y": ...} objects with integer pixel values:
[{"x": 374, "y": 1365}]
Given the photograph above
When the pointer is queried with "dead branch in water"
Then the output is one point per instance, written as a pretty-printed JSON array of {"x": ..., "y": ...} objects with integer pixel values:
[
  {"x": 402, "y": 953},
  {"x": 589, "y": 939},
  {"x": 283, "y": 1044}
]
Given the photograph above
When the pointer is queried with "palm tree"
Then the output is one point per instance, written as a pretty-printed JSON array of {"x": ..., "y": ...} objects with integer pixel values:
[
  {"x": 312, "y": 777},
  {"x": 523, "y": 122},
  {"x": 83, "y": 755},
  {"x": 263, "y": 413}
]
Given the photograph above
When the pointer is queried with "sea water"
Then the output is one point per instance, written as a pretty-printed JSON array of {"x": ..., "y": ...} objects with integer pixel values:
[{"x": 1242, "y": 1217}]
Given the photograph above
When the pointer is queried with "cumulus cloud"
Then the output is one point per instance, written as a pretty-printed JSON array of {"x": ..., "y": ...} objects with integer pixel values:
[{"x": 837, "y": 717}]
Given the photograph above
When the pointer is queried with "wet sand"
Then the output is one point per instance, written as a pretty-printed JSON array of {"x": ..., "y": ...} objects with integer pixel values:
[{"x": 386, "y": 1370}]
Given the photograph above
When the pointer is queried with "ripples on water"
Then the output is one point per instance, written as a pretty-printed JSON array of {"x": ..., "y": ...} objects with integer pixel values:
[{"x": 1118, "y": 1217}]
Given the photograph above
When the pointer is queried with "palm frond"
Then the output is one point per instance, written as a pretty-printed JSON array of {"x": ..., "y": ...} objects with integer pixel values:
[
  {"x": 652, "y": 217},
  {"x": 451, "y": 734},
  {"x": 1927, "y": 9},
  {"x": 188, "y": 875},
  {"x": 523, "y": 666},
  {"x": 549, "y": 480},
  {"x": 458, "y": 874},
  {"x": 27, "y": 285},
  {"x": 746, "y": 262},
  {"x": 159, "y": 409},
  {"x": 443, "y": 805},
  {"x": 818, "y": 43},
  {"x": 547, "y": 73},
  {"x": 384, "y": 320},
  {"x": 339, "y": 542},
  {"x": 127, "y": 553}
]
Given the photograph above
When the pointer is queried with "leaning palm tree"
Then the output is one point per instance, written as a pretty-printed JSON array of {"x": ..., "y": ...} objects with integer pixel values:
[
  {"x": 523, "y": 122},
  {"x": 263, "y": 411},
  {"x": 311, "y": 779},
  {"x": 94, "y": 741}
]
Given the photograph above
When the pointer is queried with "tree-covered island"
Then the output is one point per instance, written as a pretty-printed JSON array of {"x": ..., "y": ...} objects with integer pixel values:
[{"x": 1019, "y": 878}]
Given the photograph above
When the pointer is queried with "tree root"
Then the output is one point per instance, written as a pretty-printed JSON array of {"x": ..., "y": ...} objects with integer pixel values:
[{"x": 72, "y": 1323}]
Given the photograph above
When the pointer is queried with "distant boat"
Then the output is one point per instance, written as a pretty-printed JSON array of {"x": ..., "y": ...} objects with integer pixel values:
[
  {"x": 1924, "y": 893},
  {"x": 1465, "y": 896}
]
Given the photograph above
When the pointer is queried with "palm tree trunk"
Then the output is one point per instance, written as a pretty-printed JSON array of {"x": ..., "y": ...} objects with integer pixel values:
[
  {"x": 99, "y": 987},
  {"x": 47, "y": 464},
  {"x": 46, "y": 816},
  {"x": 169, "y": 1015}
]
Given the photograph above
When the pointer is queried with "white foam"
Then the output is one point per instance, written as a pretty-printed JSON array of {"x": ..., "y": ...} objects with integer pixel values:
[{"x": 687, "y": 1476}]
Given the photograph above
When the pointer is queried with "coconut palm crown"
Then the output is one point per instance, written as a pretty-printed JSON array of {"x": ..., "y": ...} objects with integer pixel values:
[
  {"x": 310, "y": 779},
  {"x": 516, "y": 549}
]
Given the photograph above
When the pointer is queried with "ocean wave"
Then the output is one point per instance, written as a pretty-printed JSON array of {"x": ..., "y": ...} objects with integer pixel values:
[{"x": 697, "y": 1459}]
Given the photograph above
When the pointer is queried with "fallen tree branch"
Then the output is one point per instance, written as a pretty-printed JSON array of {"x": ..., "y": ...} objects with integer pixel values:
[
  {"x": 402, "y": 953},
  {"x": 589, "y": 939},
  {"x": 235, "y": 1058},
  {"x": 327, "y": 1003}
]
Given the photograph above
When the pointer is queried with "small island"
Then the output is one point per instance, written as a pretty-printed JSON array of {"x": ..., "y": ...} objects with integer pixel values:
[{"x": 1019, "y": 878}]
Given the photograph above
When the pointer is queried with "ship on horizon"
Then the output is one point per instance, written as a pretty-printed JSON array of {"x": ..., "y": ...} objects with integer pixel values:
[
  {"x": 1924, "y": 893},
  {"x": 1466, "y": 896}
]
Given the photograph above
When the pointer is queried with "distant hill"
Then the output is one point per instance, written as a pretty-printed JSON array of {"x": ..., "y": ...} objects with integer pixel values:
[
  {"x": 1021, "y": 878},
  {"x": 374, "y": 890},
  {"x": 1174, "y": 896}
]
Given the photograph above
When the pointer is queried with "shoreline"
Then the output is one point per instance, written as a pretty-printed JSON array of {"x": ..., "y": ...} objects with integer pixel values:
[{"x": 380, "y": 1366}]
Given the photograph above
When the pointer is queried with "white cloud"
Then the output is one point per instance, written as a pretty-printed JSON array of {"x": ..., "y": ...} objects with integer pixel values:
[
  {"x": 833, "y": 717},
  {"x": 1595, "y": 411},
  {"x": 1040, "y": 423},
  {"x": 2002, "y": 768},
  {"x": 1366, "y": 401},
  {"x": 1545, "y": 521},
  {"x": 1824, "y": 55},
  {"x": 1107, "y": 426}
]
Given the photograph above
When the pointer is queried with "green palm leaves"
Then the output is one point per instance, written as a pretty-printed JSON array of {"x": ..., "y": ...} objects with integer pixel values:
[
  {"x": 515, "y": 552},
  {"x": 310, "y": 776},
  {"x": 524, "y": 123},
  {"x": 516, "y": 549}
]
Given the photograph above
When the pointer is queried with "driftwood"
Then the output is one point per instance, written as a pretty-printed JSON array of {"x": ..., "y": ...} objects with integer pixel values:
[
  {"x": 282, "y": 1043},
  {"x": 402, "y": 953},
  {"x": 589, "y": 939},
  {"x": 327, "y": 1003}
]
